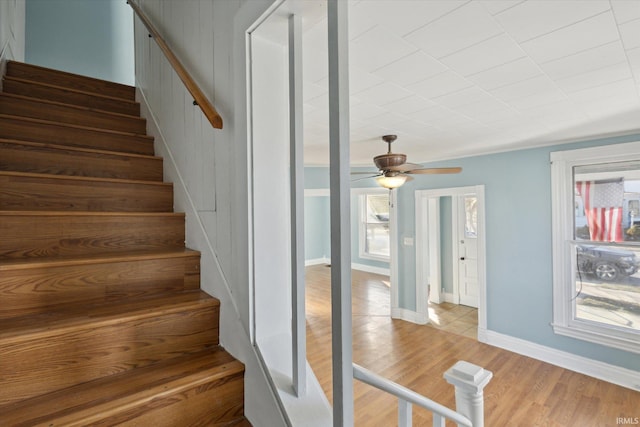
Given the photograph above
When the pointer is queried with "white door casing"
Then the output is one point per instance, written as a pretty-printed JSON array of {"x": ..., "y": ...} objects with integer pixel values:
[{"x": 428, "y": 236}]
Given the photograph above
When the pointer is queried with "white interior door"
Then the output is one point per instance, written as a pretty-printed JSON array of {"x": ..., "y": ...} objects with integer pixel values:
[{"x": 468, "y": 250}]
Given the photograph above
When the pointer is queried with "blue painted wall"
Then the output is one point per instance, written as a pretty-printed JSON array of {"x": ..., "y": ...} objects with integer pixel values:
[
  {"x": 93, "y": 38},
  {"x": 446, "y": 244},
  {"x": 317, "y": 229},
  {"x": 316, "y": 178},
  {"x": 518, "y": 239}
]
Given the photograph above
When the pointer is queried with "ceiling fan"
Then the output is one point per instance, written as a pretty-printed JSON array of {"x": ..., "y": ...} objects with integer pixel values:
[{"x": 394, "y": 171}]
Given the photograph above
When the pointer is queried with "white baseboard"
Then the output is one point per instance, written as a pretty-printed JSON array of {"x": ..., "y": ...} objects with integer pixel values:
[
  {"x": 354, "y": 266},
  {"x": 603, "y": 371},
  {"x": 409, "y": 315},
  {"x": 317, "y": 261},
  {"x": 370, "y": 269},
  {"x": 447, "y": 297}
]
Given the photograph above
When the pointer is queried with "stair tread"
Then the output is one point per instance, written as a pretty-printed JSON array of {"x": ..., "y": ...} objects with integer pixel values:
[
  {"x": 99, "y": 398},
  {"x": 71, "y": 148},
  {"x": 77, "y": 316},
  {"x": 15, "y": 66},
  {"x": 27, "y": 129},
  {"x": 73, "y": 106},
  {"x": 55, "y": 233},
  {"x": 70, "y": 89},
  {"x": 27, "y": 263},
  {"x": 40, "y": 157},
  {"x": 83, "y": 178},
  {"x": 69, "y": 94},
  {"x": 68, "y": 125}
]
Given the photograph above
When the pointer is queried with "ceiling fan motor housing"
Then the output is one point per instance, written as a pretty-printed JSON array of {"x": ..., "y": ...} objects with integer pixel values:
[{"x": 386, "y": 161}]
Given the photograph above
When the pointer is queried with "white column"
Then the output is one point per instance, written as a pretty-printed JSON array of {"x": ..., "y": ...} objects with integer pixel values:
[
  {"x": 339, "y": 184},
  {"x": 296, "y": 161},
  {"x": 469, "y": 381}
]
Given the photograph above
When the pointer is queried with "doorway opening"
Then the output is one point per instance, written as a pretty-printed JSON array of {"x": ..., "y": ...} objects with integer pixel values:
[{"x": 450, "y": 259}]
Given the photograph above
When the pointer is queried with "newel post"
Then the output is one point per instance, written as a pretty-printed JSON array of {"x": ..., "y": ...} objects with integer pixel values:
[{"x": 469, "y": 381}]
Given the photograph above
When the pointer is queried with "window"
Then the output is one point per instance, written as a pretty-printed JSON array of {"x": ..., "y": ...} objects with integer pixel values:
[
  {"x": 374, "y": 226},
  {"x": 596, "y": 244},
  {"x": 470, "y": 217}
]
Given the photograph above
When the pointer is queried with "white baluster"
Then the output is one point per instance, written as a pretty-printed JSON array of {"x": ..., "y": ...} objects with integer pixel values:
[
  {"x": 438, "y": 420},
  {"x": 405, "y": 418},
  {"x": 469, "y": 381}
]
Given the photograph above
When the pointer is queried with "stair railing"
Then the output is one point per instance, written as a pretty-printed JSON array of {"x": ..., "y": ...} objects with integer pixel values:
[
  {"x": 199, "y": 97},
  {"x": 469, "y": 381}
]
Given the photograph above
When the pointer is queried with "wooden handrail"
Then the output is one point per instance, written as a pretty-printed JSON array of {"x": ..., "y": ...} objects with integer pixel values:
[{"x": 199, "y": 97}]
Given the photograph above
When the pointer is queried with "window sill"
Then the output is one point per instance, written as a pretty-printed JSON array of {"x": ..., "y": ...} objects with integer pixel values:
[{"x": 600, "y": 335}]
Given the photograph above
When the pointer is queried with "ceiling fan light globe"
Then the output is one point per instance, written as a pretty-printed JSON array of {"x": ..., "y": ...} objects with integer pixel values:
[{"x": 391, "y": 182}]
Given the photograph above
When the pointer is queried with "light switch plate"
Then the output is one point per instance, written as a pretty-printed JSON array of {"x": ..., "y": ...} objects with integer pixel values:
[{"x": 408, "y": 241}]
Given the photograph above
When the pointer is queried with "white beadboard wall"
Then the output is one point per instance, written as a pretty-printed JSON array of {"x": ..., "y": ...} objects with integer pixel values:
[
  {"x": 209, "y": 167},
  {"x": 12, "y": 30}
]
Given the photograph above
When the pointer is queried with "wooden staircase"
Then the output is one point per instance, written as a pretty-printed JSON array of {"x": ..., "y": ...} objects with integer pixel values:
[{"x": 102, "y": 320}]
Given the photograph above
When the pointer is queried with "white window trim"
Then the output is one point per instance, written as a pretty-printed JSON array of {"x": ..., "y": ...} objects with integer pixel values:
[
  {"x": 564, "y": 321},
  {"x": 362, "y": 232}
]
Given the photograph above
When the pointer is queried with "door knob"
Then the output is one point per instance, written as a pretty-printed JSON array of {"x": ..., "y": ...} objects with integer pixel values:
[{"x": 461, "y": 258}]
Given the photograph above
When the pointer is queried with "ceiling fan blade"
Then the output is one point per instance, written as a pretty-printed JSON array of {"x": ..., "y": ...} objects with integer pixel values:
[
  {"x": 365, "y": 177},
  {"x": 434, "y": 171},
  {"x": 405, "y": 167},
  {"x": 365, "y": 173}
]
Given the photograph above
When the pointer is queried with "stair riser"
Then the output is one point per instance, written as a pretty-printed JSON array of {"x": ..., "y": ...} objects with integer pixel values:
[
  {"x": 69, "y": 97},
  {"x": 40, "y": 159},
  {"x": 72, "y": 235},
  {"x": 63, "y": 135},
  {"x": 34, "y": 367},
  {"x": 214, "y": 403},
  {"x": 75, "y": 116},
  {"x": 22, "y": 193},
  {"x": 28, "y": 291},
  {"x": 59, "y": 78}
]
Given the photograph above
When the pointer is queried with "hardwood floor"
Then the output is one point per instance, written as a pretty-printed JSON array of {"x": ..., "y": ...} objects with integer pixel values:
[
  {"x": 453, "y": 318},
  {"x": 523, "y": 391}
]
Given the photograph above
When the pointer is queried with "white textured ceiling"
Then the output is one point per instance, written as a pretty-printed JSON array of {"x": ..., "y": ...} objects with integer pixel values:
[{"x": 455, "y": 78}]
